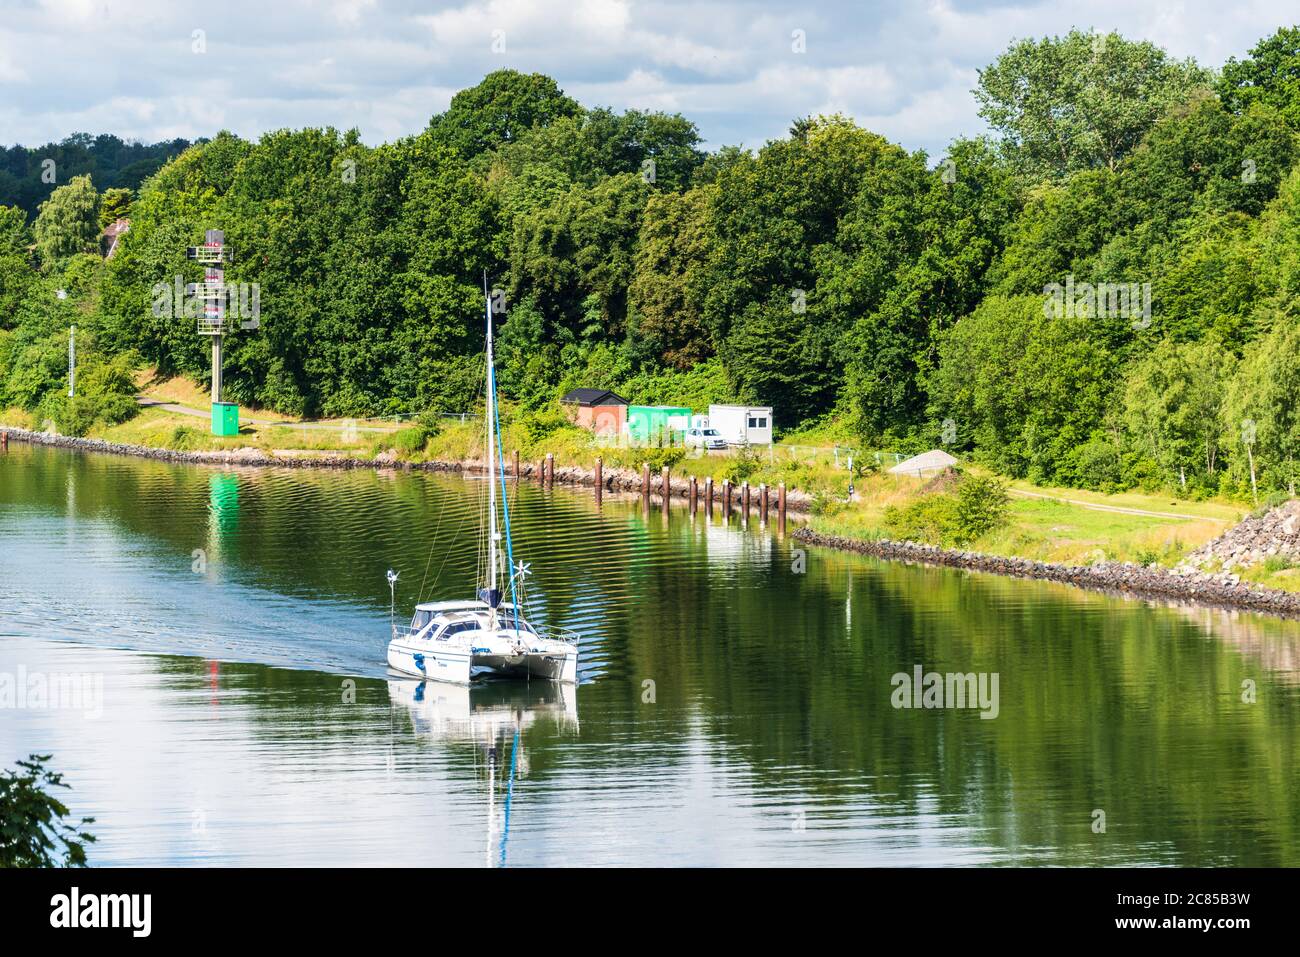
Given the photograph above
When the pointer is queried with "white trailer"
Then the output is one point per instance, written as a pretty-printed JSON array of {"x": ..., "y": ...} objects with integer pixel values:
[{"x": 742, "y": 424}]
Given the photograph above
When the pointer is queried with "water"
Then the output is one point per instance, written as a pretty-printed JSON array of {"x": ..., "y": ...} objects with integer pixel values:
[{"x": 731, "y": 709}]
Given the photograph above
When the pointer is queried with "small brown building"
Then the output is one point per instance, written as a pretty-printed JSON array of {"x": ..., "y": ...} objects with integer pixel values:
[{"x": 601, "y": 411}]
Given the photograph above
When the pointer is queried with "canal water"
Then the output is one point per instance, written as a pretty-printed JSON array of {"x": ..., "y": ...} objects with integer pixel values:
[{"x": 201, "y": 650}]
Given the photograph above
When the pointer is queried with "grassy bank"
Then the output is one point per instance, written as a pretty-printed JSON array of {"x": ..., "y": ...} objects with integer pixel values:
[{"x": 1066, "y": 526}]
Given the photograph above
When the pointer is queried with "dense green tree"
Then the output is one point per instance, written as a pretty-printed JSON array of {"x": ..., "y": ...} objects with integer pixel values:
[
  {"x": 14, "y": 234},
  {"x": 68, "y": 221},
  {"x": 1080, "y": 101},
  {"x": 581, "y": 245},
  {"x": 1270, "y": 75},
  {"x": 1023, "y": 386},
  {"x": 1173, "y": 408},
  {"x": 670, "y": 283},
  {"x": 503, "y": 107},
  {"x": 29, "y": 174},
  {"x": 1261, "y": 417},
  {"x": 115, "y": 204}
]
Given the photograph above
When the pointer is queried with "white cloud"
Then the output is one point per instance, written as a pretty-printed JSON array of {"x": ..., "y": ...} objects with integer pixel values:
[{"x": 385, "y": 66}]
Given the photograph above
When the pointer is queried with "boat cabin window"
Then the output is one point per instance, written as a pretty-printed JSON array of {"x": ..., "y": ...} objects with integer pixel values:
[
  {"x": 456, "y": 627},
  {"x": 421, "y": 619}
]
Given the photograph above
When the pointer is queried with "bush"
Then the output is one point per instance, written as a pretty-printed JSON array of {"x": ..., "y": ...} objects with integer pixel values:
[
  {"x": 978, "y": 506},
  {"x": 658, "y": 459},
  {"x": 744, "y": 463},
  {"x": 981, "y": 506},
  {"x": 930, "y": 519}
]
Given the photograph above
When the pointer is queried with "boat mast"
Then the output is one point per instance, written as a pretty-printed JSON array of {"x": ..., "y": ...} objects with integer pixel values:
[{"x": 492, "y": 452}]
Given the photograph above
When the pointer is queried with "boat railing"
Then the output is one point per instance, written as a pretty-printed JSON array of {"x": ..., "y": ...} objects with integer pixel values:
[{"x": 560, "y": 634}]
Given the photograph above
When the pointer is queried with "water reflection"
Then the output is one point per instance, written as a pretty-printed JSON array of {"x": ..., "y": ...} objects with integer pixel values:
[
  {"x": 493, "y": 717},
  {"x": 735, "y": 703}
]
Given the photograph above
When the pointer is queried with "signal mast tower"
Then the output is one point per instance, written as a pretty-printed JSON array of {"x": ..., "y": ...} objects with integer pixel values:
[{"x": 213, "y": 255}]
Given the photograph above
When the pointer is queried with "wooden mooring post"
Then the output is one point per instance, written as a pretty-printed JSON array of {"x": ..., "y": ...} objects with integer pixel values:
[
  {"x": 550, "y": 469},
  {"x": 726, "y": 499},
  {"x": 780, "y": 507},
  {"x": 665, "y": 488},
  {"x": 514, "y": 462},
  {"x": 645, "y": 480},
  {"x": 762, "y": 502},
  {"x": 695, "y": 495},
  {"x": 598, "y": 480},
  {"x": 744, "y": 498},
  {"x": 708, "y": 496},
  {"x": 4, "y": 441}
]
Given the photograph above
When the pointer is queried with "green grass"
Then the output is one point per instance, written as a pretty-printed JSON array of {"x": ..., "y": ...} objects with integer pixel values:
[{"x": 1041, "y": 529}]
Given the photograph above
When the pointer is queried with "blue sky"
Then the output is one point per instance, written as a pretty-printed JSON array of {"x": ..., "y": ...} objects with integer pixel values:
[{"x": 905, "y": 70}]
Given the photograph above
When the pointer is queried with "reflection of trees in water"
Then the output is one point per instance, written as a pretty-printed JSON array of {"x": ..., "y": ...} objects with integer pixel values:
[{"x": 1103, "y": 705}]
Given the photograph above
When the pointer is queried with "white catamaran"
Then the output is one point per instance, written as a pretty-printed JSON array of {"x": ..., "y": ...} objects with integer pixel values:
[{"x": 447, "y": 639}]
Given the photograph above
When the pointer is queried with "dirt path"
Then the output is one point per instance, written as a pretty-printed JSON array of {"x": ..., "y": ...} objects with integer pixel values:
[{"x": 1096, "y": 507}]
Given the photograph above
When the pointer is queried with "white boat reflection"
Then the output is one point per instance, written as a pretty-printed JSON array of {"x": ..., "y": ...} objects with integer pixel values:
[
  {"x": 486, "y": 711},
  {"x": 494, "y": 716}
]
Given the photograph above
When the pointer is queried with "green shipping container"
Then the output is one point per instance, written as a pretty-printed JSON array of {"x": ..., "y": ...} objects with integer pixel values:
[
  {"x": 225, "y": 418},
  {"x": 656, "y": 424}
]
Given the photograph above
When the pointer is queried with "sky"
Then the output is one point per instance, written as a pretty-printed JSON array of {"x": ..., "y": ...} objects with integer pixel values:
[{"x": 741, "y": 69}]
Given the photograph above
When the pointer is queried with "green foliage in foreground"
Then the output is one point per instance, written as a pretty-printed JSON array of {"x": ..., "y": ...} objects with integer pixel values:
[{"x": 33, "y": 832}]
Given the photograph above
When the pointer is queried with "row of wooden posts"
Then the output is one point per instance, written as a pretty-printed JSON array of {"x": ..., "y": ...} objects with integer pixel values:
[{"x": 546, "y": 472}]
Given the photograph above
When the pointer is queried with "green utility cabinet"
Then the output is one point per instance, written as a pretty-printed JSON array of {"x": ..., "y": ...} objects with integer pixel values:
[{"x": 225, "y": 418}]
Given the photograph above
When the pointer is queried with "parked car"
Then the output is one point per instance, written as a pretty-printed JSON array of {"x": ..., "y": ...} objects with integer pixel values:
[{"x": 704, "y": 439}]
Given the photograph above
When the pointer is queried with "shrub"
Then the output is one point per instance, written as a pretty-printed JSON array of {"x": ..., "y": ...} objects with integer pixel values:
[
  {"x": 978, "y": 506},
  {"x": 744, "y": 463},
  {"x": 981, "y": 506},
  {"x": 1277, "y": 563},
  {"x": 658, "y": 459},
  {"x": 930, "y": 519}
]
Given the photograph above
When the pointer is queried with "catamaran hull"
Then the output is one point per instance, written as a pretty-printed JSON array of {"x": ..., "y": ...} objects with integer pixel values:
[
  {"x": 551, "y": 667},
  {"x": 433, "y": 664},
  {"x": 446, "y": 665}
]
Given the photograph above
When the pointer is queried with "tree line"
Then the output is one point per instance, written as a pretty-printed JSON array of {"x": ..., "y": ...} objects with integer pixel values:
[{"x": 1100, "y": 294}]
